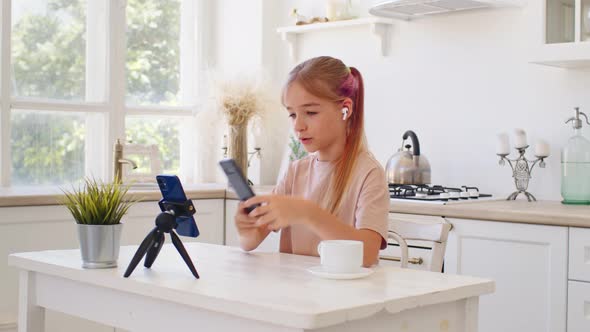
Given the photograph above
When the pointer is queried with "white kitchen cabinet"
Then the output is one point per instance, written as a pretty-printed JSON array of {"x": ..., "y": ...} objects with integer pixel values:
[
  {"x": 561, "y": 32},
  {"x": 208, "y": 216},
  {"x": 270, "y": 244},
  {"x": 52, "y": 227},
  {"x": 578, "y": 306},
  {"x": 578, "y": 303},
  {"x": 527, "y": 262},
  {"x": 579, "y": 254}
]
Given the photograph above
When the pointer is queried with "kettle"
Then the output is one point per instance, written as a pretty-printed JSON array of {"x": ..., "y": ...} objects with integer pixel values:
[{"x": 408, "y": 166}]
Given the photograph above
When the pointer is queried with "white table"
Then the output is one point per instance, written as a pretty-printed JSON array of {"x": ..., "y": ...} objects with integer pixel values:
[{"x": 241, "y": 291}]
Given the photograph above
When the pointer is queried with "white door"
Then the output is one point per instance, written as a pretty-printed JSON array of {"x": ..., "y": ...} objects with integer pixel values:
[{"x": 527, "y": 262}]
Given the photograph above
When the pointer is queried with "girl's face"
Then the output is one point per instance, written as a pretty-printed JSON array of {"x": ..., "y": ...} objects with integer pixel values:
[{"x": 317, "y": 122}]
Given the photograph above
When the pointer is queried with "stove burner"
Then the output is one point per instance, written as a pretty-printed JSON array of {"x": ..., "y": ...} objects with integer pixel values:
[
  {"x": 402, "y": 190},
  {"x": 434, "y": 192}
]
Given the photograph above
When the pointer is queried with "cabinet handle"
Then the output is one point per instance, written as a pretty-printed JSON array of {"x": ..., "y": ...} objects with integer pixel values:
[{"x": 416, "y": 261}]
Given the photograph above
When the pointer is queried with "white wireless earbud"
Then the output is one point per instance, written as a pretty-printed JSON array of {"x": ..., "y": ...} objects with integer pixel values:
[{"x": 344, "y": 113}]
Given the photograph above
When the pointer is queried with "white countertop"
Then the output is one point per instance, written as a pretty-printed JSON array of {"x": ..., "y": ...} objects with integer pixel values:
[
  {"x": 269, "y": 287},
  {"x": 521, "y": 211},
  {"x": 35, "y": 196}
]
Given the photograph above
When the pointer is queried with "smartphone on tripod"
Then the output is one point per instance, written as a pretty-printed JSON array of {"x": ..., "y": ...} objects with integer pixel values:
[{"x": 173, "y": 193}]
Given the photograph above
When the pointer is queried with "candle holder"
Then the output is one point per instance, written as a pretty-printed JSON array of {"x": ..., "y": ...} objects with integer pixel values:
[
  {"x": 251, "y": 154},
  {"x": 521, "y": 172}
]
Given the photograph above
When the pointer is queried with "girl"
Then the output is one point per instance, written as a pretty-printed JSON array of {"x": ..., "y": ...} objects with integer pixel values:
[{"x": 339, "y": 190}]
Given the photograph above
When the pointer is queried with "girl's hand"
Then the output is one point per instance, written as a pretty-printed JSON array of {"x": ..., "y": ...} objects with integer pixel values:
[
  {"x": 244, "y": 223},
  {"x": 277, "y": 212},
  {"x": 250, "y": 234}
]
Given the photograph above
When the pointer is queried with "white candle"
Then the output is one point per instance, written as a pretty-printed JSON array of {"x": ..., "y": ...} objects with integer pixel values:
[
  {"x": 520, "y": 139},
  {"x": 338, "y": 9},
  {"x": 503, "y": 144},
  {"x": 542, "y": 149},
  {"x": 332, "y": 10}
]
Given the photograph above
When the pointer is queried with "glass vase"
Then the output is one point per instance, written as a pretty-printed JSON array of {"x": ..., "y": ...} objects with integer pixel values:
[{"x": 238, "y": 146}]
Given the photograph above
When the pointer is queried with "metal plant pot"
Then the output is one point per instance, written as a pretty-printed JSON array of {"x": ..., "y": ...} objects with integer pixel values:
[{"x": 99, "y": 245}]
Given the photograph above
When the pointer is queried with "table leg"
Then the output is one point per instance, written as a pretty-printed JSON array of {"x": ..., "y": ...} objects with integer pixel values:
[
  {"x": 471, "y": 314},
  {"x": 31, "y": 318}
]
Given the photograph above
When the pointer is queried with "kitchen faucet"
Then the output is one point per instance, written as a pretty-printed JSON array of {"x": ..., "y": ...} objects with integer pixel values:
[{"x": 119, "y": 161}]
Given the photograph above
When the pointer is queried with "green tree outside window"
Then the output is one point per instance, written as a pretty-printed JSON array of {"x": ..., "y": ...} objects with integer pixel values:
[{"x": 48, "y": 61}]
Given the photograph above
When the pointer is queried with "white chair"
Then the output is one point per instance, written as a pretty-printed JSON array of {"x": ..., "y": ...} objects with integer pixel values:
[
  {"x": 144, "y": 155},
  {"x": 436, "y": 233}
]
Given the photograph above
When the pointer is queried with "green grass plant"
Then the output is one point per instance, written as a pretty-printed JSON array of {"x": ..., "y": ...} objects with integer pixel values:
[{"x": 98, "y": 203}]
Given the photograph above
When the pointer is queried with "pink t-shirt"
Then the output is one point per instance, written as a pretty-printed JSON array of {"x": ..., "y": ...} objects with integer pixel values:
[{"x": 365, "y": 204}]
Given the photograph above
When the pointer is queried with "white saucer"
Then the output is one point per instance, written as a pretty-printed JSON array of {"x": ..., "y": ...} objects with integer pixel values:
[{"x": 320, "y": 272}]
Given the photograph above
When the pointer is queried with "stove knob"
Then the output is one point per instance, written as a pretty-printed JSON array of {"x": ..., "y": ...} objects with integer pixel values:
[
  {"x": 444, "y": 195},
  {"x": 420, "y": 195},
  {"x": 454, "y": 195},
  {"x": 464, "y": 195},
  {"x": 474, "y": 194}
]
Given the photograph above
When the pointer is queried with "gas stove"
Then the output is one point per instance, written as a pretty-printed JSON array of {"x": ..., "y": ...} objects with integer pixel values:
[{"x": 436, "y": 194}]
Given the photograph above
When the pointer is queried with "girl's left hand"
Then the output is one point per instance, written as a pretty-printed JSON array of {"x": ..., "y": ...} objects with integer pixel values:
[{"x": 277, "y": 212}]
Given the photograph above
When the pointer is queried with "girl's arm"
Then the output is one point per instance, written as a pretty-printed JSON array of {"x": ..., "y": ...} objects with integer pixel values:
[
  {"x": 278, "y": 212},
  {"x": 329, "y": 227}
]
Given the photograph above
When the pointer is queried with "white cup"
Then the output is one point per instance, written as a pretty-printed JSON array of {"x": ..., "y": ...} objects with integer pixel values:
[{"x": 341, "y": 256}]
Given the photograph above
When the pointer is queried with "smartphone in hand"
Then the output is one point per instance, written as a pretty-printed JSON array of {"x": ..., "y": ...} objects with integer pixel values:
[
  {"x": 172, "y": 192},
  {"x": 238, "y": 181}
]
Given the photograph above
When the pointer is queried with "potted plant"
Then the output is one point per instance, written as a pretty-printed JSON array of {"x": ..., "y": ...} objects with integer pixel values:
[{"x": 97, "y": 208}]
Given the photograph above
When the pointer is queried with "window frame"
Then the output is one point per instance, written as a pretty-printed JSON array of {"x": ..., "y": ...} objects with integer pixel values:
[{"x": 109, "y": 123}]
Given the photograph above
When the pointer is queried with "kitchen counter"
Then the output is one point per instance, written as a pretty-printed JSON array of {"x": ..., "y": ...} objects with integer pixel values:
[
  {"x": 521, "y": 211},
  {"x": 541, "y": 212},
  {"x": 35, "y": 196}
]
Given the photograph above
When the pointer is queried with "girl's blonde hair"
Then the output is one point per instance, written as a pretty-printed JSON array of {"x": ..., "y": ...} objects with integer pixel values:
[{"x": 328, "y": 78}]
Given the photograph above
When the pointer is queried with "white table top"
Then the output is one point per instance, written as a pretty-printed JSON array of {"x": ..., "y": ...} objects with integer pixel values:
[{"x": 269, "y": 287}]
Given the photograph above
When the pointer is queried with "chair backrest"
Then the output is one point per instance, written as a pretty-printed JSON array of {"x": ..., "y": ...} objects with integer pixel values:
[
  {"x": 436, "y": 233},
  {"x": 139, "y": 153}
]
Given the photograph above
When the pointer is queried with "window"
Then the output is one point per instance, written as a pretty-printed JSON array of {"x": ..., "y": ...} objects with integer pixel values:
[
  {"x": 153, "y": 52},
  {"x": 76, "y": 81},
  {"x": 47, "y": 147},
  {"x": 48, "y": 49}
]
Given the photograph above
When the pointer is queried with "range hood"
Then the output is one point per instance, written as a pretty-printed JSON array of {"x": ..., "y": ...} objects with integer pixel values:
[{"x": 409, "y": 9}]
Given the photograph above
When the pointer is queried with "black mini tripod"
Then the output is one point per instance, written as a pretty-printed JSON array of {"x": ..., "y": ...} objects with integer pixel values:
[{"x": 152, "y": 244}]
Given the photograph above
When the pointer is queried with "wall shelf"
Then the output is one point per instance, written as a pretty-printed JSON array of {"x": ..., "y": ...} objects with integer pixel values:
[
  {"x": 564, "y": 55},
  {"x": 378, "y": 26}
]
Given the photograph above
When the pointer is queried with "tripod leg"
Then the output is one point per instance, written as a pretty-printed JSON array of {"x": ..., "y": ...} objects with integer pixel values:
[
  {"x": 143, "y": 247},
  {"x": 154, "y": 250},
  {"x": 182, "y": 251}
]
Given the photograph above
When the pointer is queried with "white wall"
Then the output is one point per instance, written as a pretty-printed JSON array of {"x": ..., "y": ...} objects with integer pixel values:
[
  {"x": 245, "y": 46},
  {"x": 456, "y": 80}
]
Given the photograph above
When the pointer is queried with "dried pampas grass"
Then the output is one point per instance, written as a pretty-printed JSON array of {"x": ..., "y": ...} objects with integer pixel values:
[{"x": 240, "y": 100}]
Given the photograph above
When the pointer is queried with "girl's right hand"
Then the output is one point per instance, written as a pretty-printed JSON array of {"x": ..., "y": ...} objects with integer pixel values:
[
  {"x": 244, "y": 222},
  {"x": 251, "y": 235}
]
